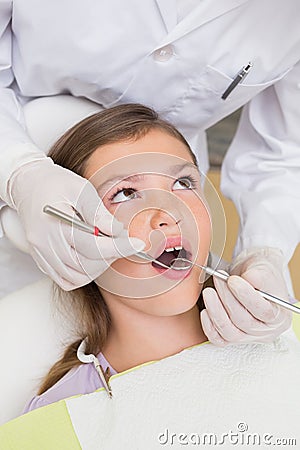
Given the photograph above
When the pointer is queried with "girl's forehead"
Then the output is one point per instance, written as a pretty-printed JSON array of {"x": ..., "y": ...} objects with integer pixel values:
[
  {"x": 142, "y": 164},
  {"x": 153, "y": 143}
]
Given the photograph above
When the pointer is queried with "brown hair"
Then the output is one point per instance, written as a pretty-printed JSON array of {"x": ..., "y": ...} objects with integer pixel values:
[{"x": 71, "y": 151}]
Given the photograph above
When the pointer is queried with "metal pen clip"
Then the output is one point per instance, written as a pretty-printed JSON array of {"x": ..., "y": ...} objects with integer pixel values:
[{"x": 241, "y": 75}]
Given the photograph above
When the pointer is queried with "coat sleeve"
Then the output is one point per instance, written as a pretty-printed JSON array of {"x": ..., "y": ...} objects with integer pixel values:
[
  {"x": 261, "y": 171},
  {"x": 16, "y": 147}
]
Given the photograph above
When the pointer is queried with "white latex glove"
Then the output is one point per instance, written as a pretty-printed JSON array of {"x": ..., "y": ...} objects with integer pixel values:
[
  {"x": 235, "y": 312},
  {"x": 51, "y": 241}
]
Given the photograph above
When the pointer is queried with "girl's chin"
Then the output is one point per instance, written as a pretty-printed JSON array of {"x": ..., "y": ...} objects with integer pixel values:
[
  {"x": 144, "y": 283},
  {"x": 161, "y": 307}
]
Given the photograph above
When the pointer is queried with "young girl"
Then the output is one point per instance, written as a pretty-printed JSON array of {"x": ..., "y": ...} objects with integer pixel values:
[{"x": 159, "y": 191}]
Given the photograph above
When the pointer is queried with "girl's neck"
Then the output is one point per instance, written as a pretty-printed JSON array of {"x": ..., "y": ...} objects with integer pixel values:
[{"x": 136, "y": 337}]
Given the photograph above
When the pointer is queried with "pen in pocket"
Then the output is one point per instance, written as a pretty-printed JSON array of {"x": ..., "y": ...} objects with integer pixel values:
[{"x": 240, "y": 76}]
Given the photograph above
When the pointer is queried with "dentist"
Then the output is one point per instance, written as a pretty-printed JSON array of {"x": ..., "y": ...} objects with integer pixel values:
[{"x": 195, "y": 62}]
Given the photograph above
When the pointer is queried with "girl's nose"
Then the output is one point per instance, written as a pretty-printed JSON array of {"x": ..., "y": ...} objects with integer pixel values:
[{"x": 162, "y": 219}]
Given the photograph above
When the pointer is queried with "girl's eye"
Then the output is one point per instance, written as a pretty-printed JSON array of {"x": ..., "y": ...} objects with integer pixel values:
[
  {"x": 123, "y": 195},
  {"x": 184, "y": 183},
  {"x": 127, "y": 193}
]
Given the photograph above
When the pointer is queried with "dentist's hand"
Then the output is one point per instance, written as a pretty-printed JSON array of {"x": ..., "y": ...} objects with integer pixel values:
[
  {"x": 51, "y": 241},
  {"x": 235, "y": 312}
]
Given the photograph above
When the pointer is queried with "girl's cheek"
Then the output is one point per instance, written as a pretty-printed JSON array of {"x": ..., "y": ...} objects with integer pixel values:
[
  {"x": 111, "y": 207},
  {"x": 138, "y": 228},
  {"x": 133, "y": 215},
  {"x": 134, "y": 221},
  {"x": 106, "y": 202}
]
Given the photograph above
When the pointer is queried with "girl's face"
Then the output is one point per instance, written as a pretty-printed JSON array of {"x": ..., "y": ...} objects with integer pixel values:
[{"x": 158, "y": 198}]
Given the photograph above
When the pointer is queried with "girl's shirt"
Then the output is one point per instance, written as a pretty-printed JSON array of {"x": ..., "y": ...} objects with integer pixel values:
[{"x": 82, "y": 379}]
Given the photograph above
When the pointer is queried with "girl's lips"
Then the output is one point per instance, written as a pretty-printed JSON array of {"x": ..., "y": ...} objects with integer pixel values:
[
  {"x": 172, "y": 274},
  {"x": 173, "y": 241}
]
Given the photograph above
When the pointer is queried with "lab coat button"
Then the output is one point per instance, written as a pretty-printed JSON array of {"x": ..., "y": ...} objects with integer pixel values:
[{"x": 164, "y": 53}]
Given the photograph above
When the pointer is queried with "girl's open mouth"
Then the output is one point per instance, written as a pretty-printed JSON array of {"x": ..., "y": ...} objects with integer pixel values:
[{"x": 169, "y": 254}]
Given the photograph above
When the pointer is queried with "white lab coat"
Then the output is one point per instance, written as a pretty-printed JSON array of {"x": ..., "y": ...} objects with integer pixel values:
[{"x": 115, "y": 52}]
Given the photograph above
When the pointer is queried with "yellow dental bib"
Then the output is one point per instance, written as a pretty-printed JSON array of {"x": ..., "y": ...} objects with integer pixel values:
[{"x": 174, "y": 402}]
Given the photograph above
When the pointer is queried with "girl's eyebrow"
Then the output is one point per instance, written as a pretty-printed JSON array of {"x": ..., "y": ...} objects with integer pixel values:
[
  {"x": 112, "y": 181},
  {"x": 172, "y": 170}
]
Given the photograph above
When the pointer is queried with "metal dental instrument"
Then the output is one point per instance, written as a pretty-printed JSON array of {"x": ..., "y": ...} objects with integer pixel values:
[
  {"x": 104, "y": 376},
  {"x": 224, "y": 277},
  {"x": 95, "y": 231},
  {"x": 81, "y": 225}
]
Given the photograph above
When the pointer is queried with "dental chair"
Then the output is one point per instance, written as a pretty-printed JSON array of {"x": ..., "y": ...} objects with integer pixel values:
[{"x": 32, "y": 332}]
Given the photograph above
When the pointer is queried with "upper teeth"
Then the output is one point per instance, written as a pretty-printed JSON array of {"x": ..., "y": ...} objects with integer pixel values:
[{"x": 171, "y": 249}]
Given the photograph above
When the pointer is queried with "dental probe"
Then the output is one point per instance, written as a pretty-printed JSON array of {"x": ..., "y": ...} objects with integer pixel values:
[
  {"x": 225, "y": 277},
  {"x": 95, "y": 231},
  {"x": 77, "y": 223},
  {"x": 80, "y": 224}
]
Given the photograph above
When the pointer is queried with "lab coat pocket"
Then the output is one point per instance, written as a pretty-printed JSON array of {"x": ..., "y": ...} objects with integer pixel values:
[
  {"x": 206, "y": 91},
  {"x": 218, "y": 81}
]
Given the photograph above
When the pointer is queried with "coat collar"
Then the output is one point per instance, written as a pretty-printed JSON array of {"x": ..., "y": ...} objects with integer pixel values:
[
  {"x": 206, "y": 11},
  {"x": 168, "y": 11}
]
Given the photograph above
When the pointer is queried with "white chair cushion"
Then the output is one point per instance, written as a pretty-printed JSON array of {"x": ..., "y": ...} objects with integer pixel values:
[{"x": 32, "y": 336}]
